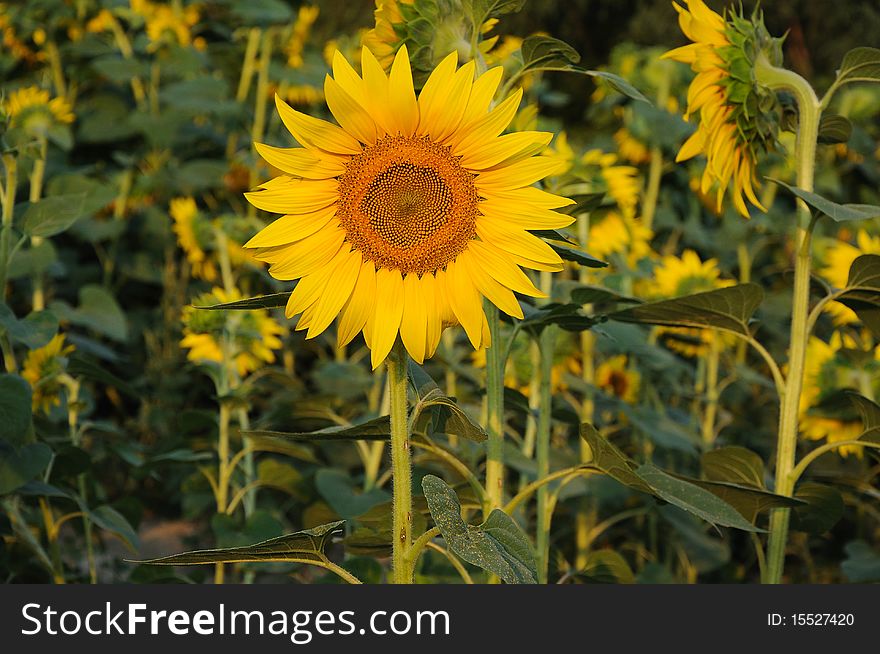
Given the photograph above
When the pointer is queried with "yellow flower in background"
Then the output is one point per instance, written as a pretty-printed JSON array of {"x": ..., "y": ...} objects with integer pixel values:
[
  {"x": 383, "y": 39},
  {"x": 169, "y": 23},
  {"x": 41, "y": 369},
  {"x": 12, "y": 43},
  {"x": 615, "y": 377},
  {"x": 401, "y": 220},
  {"x": 686, "y": 275},
  {"x": 305, "y": 18},
  {"x": 192, "y": 235},
  {"x": 34, "y": 110},
  {"x": 622, "y": 182},
  {"x": 826, "y": 372},
  {"x": 615, "y": 234},
  {"x": 839, "y": 258},
  {"x": 251, "y": 337},
  {"x": 730, "y": 132},
  {"x": 630, "y": 148}
]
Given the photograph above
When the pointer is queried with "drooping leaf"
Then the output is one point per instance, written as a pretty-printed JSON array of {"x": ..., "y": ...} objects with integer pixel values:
[
  {"x": 53, "y": 215},
  {"x": 869, "y": 410},
  {"x": 734, "y": 464},
  {"x": 585, "y": 294},
  {"x": 441, "y": 414},
  {"x": 612, "y": 461},
  {"x": 747, "y": 500},
  {"x": 822, "y": 508},
  {"x": 305, "y": 545},
  {"x": 569, "y": 317},
  {"x": 271, "y": 301},
  {"x": 729, "y": 308},
  {"x": 577, "y": 256},
  {"x": 862, "y": 292},
  {"x": 693, "y": 498},
  {"x": 834, "y": 129},
  {"x": 17, "y": 467},
  {"x": 860, "y": 65},
  {"x": 15, "y": 409},
  {"x": 109, "y": 519},
  {"x": 606, "y": 567},
  {"x": 837, "y": 212},
  {"x": 377, "y": 429},
  {"x": 540, "y": 51},
  {"x": 498, "y": 545},
  {"x": 619, "y": 84}
]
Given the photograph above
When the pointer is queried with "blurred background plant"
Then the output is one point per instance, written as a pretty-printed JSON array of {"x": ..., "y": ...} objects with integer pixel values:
[{"x": 135, "y": 425}]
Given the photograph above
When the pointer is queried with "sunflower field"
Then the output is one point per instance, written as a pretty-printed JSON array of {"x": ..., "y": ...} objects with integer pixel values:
[{"x": 439, "y": 292}]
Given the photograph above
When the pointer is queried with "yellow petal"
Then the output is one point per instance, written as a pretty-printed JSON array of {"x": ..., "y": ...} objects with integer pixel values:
[
  {"x": 414, "y": 323},
  {"x": 529, "y": 196},
  {"x": 482, "y": 92},
  {"x": 386, "y": 314},
  {"x": 291, "y": 228},
  {"x": 348, "y": 79},
  {"x": 517, "y": 242},
  {"x": 498, "y": 294},
  {"x": 303, "y": 257},
  {"x": 518, "y": 175},
  {"x": 302, "y": 162},
  {"x": 344, "y": 276},
  {"x": 401, "y": 97},
  {"x": 465, "y": 302},
  {"x": 498, "y": 264},
  {"x": 315, "y": 133},
  {"x": 444, "y": 97},
  {"x": 362, "y": 301},
  {"x": 376, "y": 85},
  {"x": 349, "y": 113},
  {"x": 294, "y": 195},
  {"x": 432, "y": 313},
  {"x": 490, "y": 125},
  {"x": 524, "y": 217},
  {"x": 503, "y": 148}
]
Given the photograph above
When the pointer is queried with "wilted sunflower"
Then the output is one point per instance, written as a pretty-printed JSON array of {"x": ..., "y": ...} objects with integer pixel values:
[
  {"x": 737, "y": 120},
  {"x": 403, "y": 218}
]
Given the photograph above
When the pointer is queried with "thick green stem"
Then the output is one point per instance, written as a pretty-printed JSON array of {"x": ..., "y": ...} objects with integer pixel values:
[
  {"x": 495, "y": 402},
  {"x": 39, "y": 171},
  {"x": 805, "y": 155},
  {"x": 542, "y": 445},
  {"x": 401, "y": 466},
  {"x": 11, "y": 165},
  {"x": 711, "y": 410}
]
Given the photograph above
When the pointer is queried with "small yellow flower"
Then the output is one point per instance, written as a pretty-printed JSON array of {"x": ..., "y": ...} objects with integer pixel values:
[
  {"x": 825, "y": 373},
  {"x": 167, "y": 23},
  {"x": 305, "y": 18},
  {"x": 839, "y": 258},
  {"x": 192, "y": 234},
  {"x": 249, "y": 337},
  {"x": 34, "y": 110},
  {"x": 41, "y": 369},
  {"x": 630, "y": 148},
  {"x": 616, "y": 234},
  {"x": 102, "y": 22},
  {"x": 731, "y": 131},
  {"x": 615, "y": 377}
]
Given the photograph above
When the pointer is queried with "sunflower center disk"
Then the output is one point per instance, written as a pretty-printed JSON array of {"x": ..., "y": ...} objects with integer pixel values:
[{"x": 407, "y": 204}]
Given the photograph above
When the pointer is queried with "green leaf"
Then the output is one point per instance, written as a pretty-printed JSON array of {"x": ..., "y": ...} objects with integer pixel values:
[
  {"x": 822, "y": 508},
  {"x": 35, "y": 330},
  {"x": 619, "y": 84},
  {"x": 569, "y": 317},
  {"x": 834, "y": 129},
  {"x": 303, "y": 546},
  {"x": 272, "y": 301},
  {"x": 606, "y": 567},
  {"x": 498, "y": 545},
  {"x": 612, "y": 461},
  {"x": 81, "y": 366},
  {"x": 837, "y": 212},
  {"x": 868, "y": 409},
  {"x": 446, "y": 417},
  {"x": 693, "y": 498},
  {"x": 483, "y": 10},
  {"x": 338, "y": 489},
  {"x": 109, "y": 519},
  {"x": 53, "y": 215},
  {"x": 98, "y": 310},
  {"x": 734, "y": 464},
  {"x": 578, "y": 256},
  {"x": 862, "y": 564},
  {"x": 421, "y": 381},
  {"x": 748, "y": 500},
  {"x": 280, "y": 476},
  {"x": 17, "y": 467},
  {"x": 15, "y": 409},
  {"x": 862, "y": 292},
  {"x": 860, "y": 65},
  {"x": 538, "y": 51},
  {"x": 377, "y": 429},
  {"x": 729, "y": 308},
  {"x": 586, "y": 294}
]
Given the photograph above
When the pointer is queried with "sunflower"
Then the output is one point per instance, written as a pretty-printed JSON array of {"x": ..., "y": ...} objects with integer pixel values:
[
  {"x": 686, "y": 275},
  {"x": 305, "y": 18},
  {"x": 35, "y": 111},
  {"x": 615, "y": 234},
  {"x": 630, "y": 148},
  {"x": 253, "y": 335},
  {"x": 615, "y": 377},
  {"x": 41, "y": 369},
  {"x": 192, "y": 234},
  {"x": 403, "y": 218},
  {"x": 169, "y": 23},
  {"x": 839, "y": 258},
  {"x": 733, "y": 127},
  {"x": 828, "y": 370}
]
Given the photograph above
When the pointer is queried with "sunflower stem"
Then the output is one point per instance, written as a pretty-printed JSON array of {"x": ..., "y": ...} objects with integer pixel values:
[
  {"x": 11, "y": 165},
  {"x": 495, "y": 401},
  {"x": 39, "y": 171},
  {"x": 542, "y": 450},
  {"x": 809, "y": 111},
  {"x": 401, "y": 466}
]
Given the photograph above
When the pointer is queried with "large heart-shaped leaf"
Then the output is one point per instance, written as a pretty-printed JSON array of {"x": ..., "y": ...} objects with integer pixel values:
[
  {"x": 304, "y": 546},
  {"x": 862, "y": 292},
  {"x": 822, "y": 508},
  {"x": 53, "y": 215},
  {"x": 338, "y": 489},
  {"x": 498, "y": 545},
  {"x": 860, "y": 65},
  {"x": 734, "y": 464},
  {"x": 729, "y": 308}
]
